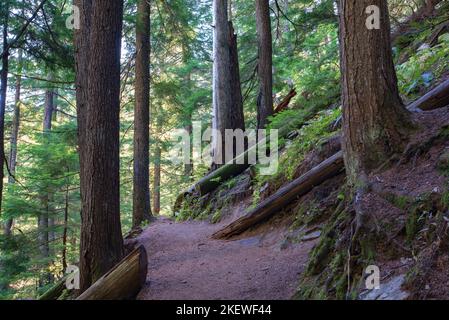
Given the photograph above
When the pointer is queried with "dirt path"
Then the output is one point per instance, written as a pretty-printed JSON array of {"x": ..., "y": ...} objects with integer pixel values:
[{"x": 185, "y": 264}]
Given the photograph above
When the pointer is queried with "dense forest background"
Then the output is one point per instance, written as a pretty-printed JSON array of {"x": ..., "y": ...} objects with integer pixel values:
[{"x": 40, "y": 128}]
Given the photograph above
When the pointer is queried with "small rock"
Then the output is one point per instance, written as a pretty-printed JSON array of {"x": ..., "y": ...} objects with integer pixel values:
[
  {"x": 388, "y": 291},
  {"x": 311, "y": 236}
]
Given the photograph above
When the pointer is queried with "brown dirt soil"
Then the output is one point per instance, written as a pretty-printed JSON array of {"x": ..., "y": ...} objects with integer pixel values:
[{"x": 186, "y": 264}]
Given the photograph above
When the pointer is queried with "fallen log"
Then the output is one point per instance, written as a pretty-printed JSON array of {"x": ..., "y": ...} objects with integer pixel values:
[
  {"x": 56, "y": 291},
  {"x": 285, "y": 102},
  {"x": 443, "y": 28},
  {"x": 232, "y": 169},
  {"x": 276, "y": 202},
  {"x": 122, "y": 282},
  {"x": 436, "y": 98}
]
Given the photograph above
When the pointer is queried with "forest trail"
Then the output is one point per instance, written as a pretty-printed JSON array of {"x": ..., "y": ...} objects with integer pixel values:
[{"x": 184, "y": 263}]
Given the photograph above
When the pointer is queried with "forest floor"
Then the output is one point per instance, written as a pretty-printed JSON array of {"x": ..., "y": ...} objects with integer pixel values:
[
  {"x": 407, "y": 206},
  {"x": 184, "y": 263}
]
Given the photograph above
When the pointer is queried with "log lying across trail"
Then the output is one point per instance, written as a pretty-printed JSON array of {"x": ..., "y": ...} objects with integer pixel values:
[
  {"x": 122, "y": 282},
  {"x": 276, "y": 202},
  {"x": 436, "y": 98}
]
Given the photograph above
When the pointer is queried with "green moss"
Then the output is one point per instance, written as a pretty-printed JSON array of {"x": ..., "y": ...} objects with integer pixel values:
[
  {"x": 321, "y": 254},
  {"x": 216, "y": 217},
  {"x": 311, "y": 135}
]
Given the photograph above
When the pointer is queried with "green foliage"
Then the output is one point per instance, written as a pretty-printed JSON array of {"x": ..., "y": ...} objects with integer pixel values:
[
  {"x": 310, "y": 136},
  {"x": 420, "y": 71}
]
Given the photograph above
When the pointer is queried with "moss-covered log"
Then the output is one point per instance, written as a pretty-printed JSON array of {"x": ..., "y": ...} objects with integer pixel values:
[
  {"x": 284, "y": 196},
  {"x": 56, "y": 291},
  {"x": 214, "y": 179}
]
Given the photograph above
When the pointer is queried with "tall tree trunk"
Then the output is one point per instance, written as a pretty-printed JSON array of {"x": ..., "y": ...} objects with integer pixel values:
[
  {"x": 141, "y": 191},
  {"x": 45, "y": 233},
  {"x": 228, "y": 113},
  {"x": 64, "y": 233},
  {"x": 375, "y": 121},
  {"x": 3, "y": 90},
  {"x": 14, "y": 134},
  {"x": 237, "y": 116},
  {"x": 188, "y": 167},
  {"x": 157, "y": 181},
  {"x": 98, "y": 44},
  {"x": 265, "y": 64}
]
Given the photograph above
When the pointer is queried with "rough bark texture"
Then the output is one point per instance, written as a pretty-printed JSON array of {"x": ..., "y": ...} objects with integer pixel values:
[
  {"x": 283, "y": 105},
  {"x": 265, "y": 63},
  {"x": 228, "y": 113},
  {"x": 3, "y": 90},
  {"x": 124, "y": 281},
  {"x": 141, "y": 189},
  {"x": 14, "y": 134},
  {"x": 236, "y": 117},
  {"x": 157, "y": 182},
  {"x": 284, "y": 196},
  {"x": 98, "y": 44},
  {"x": 375, "y": 121}
]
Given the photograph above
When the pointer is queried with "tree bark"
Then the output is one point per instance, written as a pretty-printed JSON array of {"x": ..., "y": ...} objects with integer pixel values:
[
  {"x": 64, "y": 232},
  {"x": 14, "y": 134},
  {"x": 283, "y": 105},
  {"x": 228, "y": 113},
  {"x": 157, "y": 182},
  {"x": 265, "y": 63},
  {"x": 3, "y": 91},
  {"x": 122, "y": 282},
  {"x": 284, "y": 196},
  {"x": 375, "y": 121},
  {"x": 141, "y": 181},
  {"x": 98, "y": 44},
  {"x": 45, "y": 220},
  {"x": 188, "y": 167}
]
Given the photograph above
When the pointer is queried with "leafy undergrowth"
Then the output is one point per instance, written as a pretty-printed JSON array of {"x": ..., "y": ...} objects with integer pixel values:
[
  {"x": 407, "y": 205},
  {"x": 419, "y": 65},
  {"x": 312, "y": 135},
  {"x": 214, "y": 206}
]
